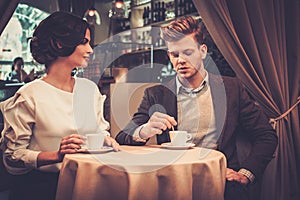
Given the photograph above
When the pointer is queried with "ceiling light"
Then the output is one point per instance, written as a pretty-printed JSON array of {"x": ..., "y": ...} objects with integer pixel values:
[
  {"x": 92, "y": 16},
  {"x": 119, "y": 4}
]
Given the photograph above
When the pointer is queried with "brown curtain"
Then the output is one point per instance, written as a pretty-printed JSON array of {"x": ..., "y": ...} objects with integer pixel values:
[
  {"x": 7, "y": 8},
  {"x": 260, "y": 40}
]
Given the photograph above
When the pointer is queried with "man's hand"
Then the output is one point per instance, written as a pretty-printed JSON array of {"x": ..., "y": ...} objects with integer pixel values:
[
  {"x": 232, "y": 175},
  {"x": 157, "y": 123},
  {"x": 109, "y": 141}
]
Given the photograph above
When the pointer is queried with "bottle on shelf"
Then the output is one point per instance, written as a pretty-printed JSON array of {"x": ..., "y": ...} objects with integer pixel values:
[
  {"x": 163, "y": 12},
  {"x": 145, "y": 16},
  {"x": 187, "y": 6},
  {"x": 193, "y": 8},
  {"x": 149, "y": 15},
  {"x": 181, "y": 8},
  {"x": 158, "y": 12},
  {"x": 155, "y": 13}
]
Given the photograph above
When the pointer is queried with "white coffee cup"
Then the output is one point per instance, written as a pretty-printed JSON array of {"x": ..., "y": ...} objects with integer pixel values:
[
  {"x": 179, "y": 138},
  {"x": 95, "y": 141}
]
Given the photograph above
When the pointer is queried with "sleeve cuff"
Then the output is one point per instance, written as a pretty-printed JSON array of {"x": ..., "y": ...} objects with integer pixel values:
[
  {"x": 136, "y": 135},
  {"x": 31, "y": 159},
  {"x": 106, "y": 133},
  {"x": 248, "y": 174}
]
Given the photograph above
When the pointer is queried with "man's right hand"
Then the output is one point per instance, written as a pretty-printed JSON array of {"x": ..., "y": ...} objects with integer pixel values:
[{"x": 157, "y": 123}]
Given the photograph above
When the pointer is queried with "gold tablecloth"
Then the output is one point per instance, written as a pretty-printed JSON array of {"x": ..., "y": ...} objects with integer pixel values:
[{"x": 147, "y": 172}]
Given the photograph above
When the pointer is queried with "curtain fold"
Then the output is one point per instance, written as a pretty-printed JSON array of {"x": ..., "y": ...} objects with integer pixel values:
[
  {"x": 7, "y": 8},
  {"x": 260, "y": 41}
]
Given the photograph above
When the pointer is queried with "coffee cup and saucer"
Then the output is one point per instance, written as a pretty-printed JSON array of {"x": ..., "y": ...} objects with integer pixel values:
[
  {"x": 95, "y": 144},
  {"x": 179, "y": 140}
]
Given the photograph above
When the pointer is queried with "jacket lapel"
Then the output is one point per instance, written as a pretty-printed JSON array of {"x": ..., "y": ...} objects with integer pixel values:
[{"x": 220, "y": 103}]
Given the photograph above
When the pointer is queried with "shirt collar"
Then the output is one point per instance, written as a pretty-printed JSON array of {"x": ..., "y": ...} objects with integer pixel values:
[{"x": 179, "y": 85}]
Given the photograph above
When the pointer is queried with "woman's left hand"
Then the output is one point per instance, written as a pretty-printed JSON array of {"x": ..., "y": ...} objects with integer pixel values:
[
  {"x": 109, "y": 141},
  {"x": 71, "y": 143}
]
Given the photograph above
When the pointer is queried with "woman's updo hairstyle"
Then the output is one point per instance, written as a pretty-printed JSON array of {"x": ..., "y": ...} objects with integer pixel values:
[{"x": 57, "y": 36}]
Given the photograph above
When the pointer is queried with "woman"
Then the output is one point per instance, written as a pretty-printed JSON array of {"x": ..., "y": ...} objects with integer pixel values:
[{"x": 48, "y": 117}]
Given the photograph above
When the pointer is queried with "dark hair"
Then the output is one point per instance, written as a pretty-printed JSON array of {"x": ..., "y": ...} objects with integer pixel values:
[
  {"x": 57, "y": 35},
  {"x": 16, "y": 60},
  {"x": 181, "y": 27}
]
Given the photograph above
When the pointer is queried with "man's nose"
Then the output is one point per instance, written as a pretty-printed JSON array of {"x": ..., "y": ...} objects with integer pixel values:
[{"x": 181, "y": 58}]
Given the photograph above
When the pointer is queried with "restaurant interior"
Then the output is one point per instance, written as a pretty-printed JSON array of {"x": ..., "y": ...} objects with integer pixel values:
[{"x": 256, "y": 41}]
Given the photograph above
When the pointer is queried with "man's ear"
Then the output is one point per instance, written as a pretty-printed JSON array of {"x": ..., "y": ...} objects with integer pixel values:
[{"x": 203, "y": 49}]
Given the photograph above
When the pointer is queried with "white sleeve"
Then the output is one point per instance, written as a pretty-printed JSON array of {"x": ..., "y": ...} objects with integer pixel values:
[
  {"x": 136, "y": 134},
  {"x": 18, "y": 114},
  {"x": 103, "y": 125}
]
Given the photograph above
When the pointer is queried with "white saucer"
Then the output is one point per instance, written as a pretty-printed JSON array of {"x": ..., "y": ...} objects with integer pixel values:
[
  {"x": 168, "y": 145},
  {"x": 102, "y": 150}
]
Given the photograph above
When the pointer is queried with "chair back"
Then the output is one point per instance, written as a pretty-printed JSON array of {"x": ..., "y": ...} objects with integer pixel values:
[{"x": 125, "y": 99}]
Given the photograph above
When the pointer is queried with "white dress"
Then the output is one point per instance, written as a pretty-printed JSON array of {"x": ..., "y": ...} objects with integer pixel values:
[{"x": 39, "y": 115}]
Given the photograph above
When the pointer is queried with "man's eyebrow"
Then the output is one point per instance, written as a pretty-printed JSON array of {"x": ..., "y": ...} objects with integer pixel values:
[
  {"x": 174, "y": 52},
  {"x": 188, "y": 50}
]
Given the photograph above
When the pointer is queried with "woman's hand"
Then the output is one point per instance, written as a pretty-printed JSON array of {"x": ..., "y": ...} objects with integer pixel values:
[
  {"x": 109, "y": 141},
  {"x": 70, "y": 144}
]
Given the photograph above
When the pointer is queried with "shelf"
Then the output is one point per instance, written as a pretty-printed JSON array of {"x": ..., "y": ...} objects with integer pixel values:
[
  {"x": 137, "y": 29},
  {"x": 146, "y": 33},
  {"x": 142, "y": 4},
  {"x": 166, "y": 22},
  {"x": 142, "y": 51}
]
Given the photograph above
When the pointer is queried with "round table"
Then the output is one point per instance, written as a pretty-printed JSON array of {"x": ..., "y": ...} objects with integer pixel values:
[{"x": 143, "y": 172}]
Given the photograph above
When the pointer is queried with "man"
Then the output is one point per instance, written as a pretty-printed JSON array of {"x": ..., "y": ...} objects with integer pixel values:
[{"x": 212, "y": 107}]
